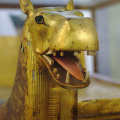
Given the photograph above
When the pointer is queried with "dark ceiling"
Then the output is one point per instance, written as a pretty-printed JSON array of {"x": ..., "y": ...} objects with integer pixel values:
[{"x": 88, "y": 3}]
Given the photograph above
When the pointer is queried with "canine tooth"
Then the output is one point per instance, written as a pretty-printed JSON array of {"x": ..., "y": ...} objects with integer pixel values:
[
  {"x": 58, "y": 76},
  {"x": 67, "y": 77},
  {"x": 77, "y": 53},
  {"x": 93, "y": 53},
  {"x": 55, "y": 70},
  {"x": 50, "y": 60},
  {"x": 61, "y": 53},
  {"x": 80, "y": 65},
  {"x": 54, "y": 53},
  {"x": 86, "y": 77},
  {"x": 49, "y": 52}
]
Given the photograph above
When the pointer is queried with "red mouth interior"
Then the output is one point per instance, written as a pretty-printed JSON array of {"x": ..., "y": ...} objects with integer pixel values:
[{"x": 70, "y": 65}]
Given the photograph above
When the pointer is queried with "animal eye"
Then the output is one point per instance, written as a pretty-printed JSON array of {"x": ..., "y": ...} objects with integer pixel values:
[{"x": 39, "y": 19}]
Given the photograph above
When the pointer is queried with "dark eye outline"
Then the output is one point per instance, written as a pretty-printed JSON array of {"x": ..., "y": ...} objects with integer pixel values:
[{"x": 39, "y": 19}]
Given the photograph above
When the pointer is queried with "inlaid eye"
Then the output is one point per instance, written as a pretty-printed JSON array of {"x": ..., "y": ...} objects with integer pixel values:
[{"x": 39, "y": 19}]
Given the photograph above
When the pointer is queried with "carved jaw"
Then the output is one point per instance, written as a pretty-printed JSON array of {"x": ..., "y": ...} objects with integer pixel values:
[{"x": 66, "y": 69}]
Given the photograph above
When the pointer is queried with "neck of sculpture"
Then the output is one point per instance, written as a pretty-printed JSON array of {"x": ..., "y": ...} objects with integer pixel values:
[
  {"x": 37, "y": 87},
  {"x": 35, "y": 94}
]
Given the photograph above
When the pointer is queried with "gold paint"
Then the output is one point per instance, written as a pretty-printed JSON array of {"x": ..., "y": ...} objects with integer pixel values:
[
  {"x": 60, "y": 31},
  {"x": 82, "y": 58},
  {"x": 101, "y": 109},
  {"x": 26, "y": 6},
  {"x": 37, "y": 99},
  {"x": 70, "y": 6}
]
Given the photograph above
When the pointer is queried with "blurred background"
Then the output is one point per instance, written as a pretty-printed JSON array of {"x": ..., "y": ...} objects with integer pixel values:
[{"x": 104, "y": 68}]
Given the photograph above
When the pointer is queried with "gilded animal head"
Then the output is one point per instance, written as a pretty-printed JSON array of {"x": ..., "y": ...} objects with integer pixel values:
[{"x": 57, "y": 32}]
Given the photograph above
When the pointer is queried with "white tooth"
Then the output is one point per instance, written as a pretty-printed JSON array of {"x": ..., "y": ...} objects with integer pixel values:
[
  {"x": 49, "y": 60},
  {"x": 55, "y": 70},
  {"x": 76, "y": 53},
  {"x": 54, "y": 53},
  {"x": 61, "y": 53},
  {"x": 58, "y": 76},
  {"x": 67, "y": 78},
  {"x": 49, "y": 52},
  {"x": 93, "y": 53},
  {"x": 86, "y": 77}
]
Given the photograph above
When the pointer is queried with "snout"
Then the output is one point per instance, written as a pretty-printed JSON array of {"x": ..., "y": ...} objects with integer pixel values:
[{"x": 75, "y": 34}]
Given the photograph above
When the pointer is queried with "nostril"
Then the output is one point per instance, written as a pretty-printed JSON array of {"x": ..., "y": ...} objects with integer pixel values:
[{"x": 69, "y": 19}]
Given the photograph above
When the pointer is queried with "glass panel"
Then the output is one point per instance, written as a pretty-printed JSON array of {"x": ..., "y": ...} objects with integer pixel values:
[
  {"x": 108, "y": 27},
  {"x": 11, "y": 22}
]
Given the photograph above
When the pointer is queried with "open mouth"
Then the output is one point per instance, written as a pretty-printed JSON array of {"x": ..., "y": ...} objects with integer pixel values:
[{"x": 66, "y": 69}]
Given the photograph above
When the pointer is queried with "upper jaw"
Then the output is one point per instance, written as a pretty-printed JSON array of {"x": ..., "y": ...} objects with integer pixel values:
[{"x": 74, "y": 35}]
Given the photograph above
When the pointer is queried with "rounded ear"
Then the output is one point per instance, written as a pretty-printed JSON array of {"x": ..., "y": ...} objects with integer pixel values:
[
  {"x": 70, "y": 6},
  {"x": 26, "y": 6}
]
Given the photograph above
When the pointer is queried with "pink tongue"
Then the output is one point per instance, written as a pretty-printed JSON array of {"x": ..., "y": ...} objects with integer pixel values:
[{"x": 71, "y": 66}]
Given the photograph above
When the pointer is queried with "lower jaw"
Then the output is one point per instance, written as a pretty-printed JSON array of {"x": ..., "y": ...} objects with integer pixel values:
[{"x": 62, "y": 77}]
